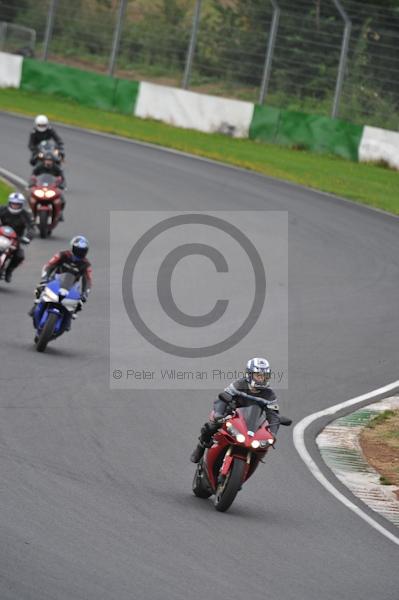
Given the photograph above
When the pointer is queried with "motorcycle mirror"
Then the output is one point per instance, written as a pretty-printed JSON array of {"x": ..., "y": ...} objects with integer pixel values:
[{"x": 285, "y": 421}]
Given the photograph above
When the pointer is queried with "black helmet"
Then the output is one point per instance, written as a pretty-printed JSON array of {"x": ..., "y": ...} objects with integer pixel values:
[
  {"x": 48, "y": 155},
  {"x": 79, "y": 247}
]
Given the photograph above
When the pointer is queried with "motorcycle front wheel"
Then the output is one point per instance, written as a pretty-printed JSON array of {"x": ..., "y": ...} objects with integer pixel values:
[
  {"x": 46, "y": 333},
  {"x": 227, "y": 490},
  {"x": 43, "y": 226}
]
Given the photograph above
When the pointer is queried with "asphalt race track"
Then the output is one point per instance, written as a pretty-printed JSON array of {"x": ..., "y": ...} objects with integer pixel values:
[{"x": 95, "y": 486}]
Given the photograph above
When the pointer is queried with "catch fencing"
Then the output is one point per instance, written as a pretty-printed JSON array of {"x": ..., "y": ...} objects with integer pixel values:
[
  {"x": 334, "y": 58},
  {"x": 17, "y": 39}
]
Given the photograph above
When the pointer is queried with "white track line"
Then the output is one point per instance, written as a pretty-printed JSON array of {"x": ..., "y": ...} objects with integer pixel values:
[
  {"x": 299, "y": 442},
  {"x": 300, "y": 428}
]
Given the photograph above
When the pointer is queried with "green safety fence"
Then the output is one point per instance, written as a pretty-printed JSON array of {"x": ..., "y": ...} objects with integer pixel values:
[
  {"x": 85, "y": 87},
  {"x": 304, "y": 131},
  {"x": 269, "y": 124}
]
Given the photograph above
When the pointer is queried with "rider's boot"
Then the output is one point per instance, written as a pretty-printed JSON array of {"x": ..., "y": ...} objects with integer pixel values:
[
  {"x": 198, "y": 453},
  {"x": 205, "y": 441}
]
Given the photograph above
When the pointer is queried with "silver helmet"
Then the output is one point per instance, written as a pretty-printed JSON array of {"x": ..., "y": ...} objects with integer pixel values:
[{"x": 258, "y": 373}]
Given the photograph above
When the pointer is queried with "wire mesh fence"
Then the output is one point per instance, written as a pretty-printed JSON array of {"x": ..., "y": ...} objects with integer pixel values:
[
  {"x": 234, "y": 44},
  {"x": 17, "y": 39}
]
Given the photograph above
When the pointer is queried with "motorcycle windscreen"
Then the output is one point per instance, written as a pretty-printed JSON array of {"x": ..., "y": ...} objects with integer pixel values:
[
  {"x": 45, "y": 180},
  {"x": 253, "y": 415},
  {"x": 66, "y": 281},
  {"x": 69, "y": 281}
]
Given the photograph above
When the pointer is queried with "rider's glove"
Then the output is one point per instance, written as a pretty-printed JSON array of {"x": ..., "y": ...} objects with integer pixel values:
[
  {"x": 40, "y": 288},
  {"x": 217, "y": 417}
]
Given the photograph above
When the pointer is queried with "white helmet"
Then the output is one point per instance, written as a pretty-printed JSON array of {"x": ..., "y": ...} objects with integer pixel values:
[
  {"x": 41, "y": 123},
  {"x": 16, "y": 203},
  {"x": 258, "y": 373}
]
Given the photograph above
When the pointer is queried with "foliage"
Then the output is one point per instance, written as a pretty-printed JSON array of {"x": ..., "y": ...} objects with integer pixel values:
[
  {"x": 231, "y": 48},
  {"x": 5, "y": 190},
  {"x": 381, "y": 418}
]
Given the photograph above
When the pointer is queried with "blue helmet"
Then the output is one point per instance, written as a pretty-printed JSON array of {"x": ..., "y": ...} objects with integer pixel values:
[
  {"x": 16, "y": 202},
  {"x": 79, "y": 247}
]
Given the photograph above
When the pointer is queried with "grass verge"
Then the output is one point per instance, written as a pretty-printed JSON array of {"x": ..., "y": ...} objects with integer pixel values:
[
  {"x": 364, "y": 183},
  {"x": 5, "y": 189},
  {"x": 380, "y": 444}
]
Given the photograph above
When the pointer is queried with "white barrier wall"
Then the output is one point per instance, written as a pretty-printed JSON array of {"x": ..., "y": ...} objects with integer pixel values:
[
  {"x": 379, "y": 144},
  {"x": 193, "y": 111},
  {"x": 10, "y": 70}
]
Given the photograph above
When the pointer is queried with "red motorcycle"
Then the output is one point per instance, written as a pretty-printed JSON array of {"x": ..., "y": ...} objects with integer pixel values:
[
  {"x": 238, "y": 447},
  {"x": 45, "y": 202},
  {"x": 8, "y": 245}
]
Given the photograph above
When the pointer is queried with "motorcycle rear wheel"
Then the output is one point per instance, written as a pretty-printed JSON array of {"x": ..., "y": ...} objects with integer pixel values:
[
  {"x": 200, "y": 487},
  {"x": 46, "y": 333},
  {"x": 227, "y": 491}
]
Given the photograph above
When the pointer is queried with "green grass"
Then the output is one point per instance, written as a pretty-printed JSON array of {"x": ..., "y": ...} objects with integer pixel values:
[
  {"x": 385, "y": 480},
  {"x": 5, "y": 189},
  {"x": 381, "y": 418},
  {"x": 364, "y": 183}
]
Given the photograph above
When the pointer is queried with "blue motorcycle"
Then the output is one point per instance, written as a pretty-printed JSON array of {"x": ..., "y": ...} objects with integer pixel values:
[{"x": 58, "y": 303}]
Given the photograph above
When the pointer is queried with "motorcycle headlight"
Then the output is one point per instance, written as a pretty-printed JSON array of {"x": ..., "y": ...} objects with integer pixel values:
[
  {"x": 39, "y": 193},
  {"x": 50, "y": 194},
  {"x": 49, "y": 295},
  {"x": 232, "y": 430},
  {"x": 4, "y": 243},
  {"x": 235, "y": 433},
  {"x": 255, "y": 444},
  {"x": 265, "y": 443}
]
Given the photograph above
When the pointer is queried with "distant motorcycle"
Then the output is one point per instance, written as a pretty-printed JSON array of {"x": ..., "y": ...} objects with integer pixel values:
[
  {"x": 58, "y": 303},
  {"x": 238, "y": 447},
  {"x": 44, "y": 147},
  {"x": 9, "y": 243},
  {"x": 45, "y": 202}
]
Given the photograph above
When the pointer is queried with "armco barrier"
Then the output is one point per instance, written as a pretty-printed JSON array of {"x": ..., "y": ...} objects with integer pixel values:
[
  {"x": 10, "y": 70},
  {"x": 310, "y": 132},
  {"x": 190, "y": 110},
  {"x": 379, "y": 145},
  {"x": 87, "y": 88}
]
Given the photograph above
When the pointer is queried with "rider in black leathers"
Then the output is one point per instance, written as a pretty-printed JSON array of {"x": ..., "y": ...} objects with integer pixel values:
[
  {"x": 20, "y": 219},
  {"x": 255, "y": 383},
  {"x": 49, "y": 165},
  {"x": 41, "y": 132}
]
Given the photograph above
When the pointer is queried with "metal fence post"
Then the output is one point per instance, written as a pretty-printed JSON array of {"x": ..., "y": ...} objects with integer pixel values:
[
  {"x": 49, "y": 27},
  {"x": 191, "y": 47},
  {"x": 3, "y": 35},
  {"x": 117, "y": 38},
  {"x": 343, "y": 57},
  {"x": 269, "y": 53}
]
